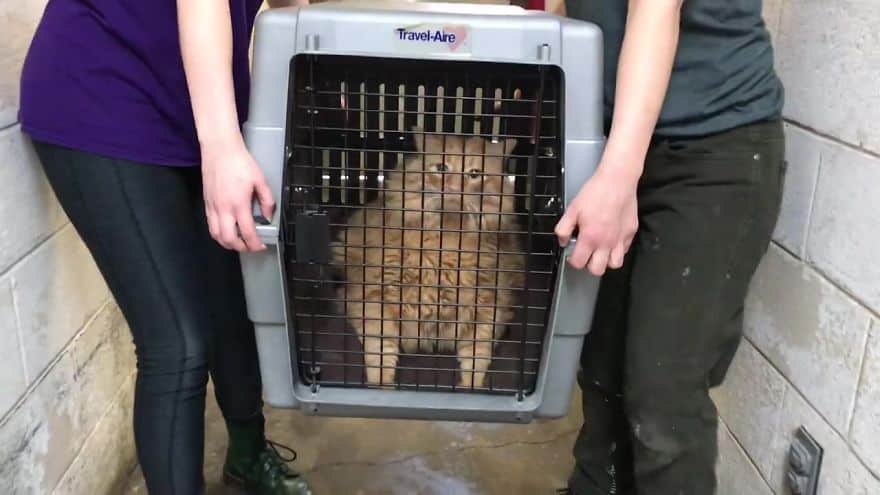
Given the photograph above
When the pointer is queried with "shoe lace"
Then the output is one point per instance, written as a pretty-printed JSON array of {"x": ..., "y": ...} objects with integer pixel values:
[
  {"x": 277, "y": 448},
  {"x": 274, "y": 461}
]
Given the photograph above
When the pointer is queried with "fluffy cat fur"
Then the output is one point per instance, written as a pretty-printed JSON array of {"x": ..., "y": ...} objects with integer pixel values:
[{"x": 422, "y": 262}]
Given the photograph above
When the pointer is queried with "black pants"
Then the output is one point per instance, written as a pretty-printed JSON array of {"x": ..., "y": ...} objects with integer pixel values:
[
  {"x": 668, "y": 323},
  {"x": 183, "y": 298}
]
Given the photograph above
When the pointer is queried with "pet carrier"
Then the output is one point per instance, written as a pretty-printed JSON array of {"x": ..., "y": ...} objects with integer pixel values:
[{"x": 418, "y": 152}]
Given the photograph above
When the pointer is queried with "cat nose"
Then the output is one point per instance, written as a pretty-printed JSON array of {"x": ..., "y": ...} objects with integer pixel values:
[{"x": 452, "y": 183}]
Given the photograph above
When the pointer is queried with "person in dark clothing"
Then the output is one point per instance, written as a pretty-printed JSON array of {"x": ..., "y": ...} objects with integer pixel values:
[
  {"x": 135, "y": 109},
  {"x": 675, "y": 220}
]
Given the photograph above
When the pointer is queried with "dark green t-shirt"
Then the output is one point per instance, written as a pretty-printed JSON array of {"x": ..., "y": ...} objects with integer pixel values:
[{"x": 723, "y": 75}]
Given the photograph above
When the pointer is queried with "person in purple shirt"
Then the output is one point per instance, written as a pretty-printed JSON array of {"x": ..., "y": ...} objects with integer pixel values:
[{"x": 135, "y": 108}]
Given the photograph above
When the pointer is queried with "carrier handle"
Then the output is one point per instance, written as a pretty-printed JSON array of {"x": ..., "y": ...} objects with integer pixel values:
[
  {"x": 268, "y": 234},
  {"x": 259, "y": 219},
  {"x": 569, "y": 249}
]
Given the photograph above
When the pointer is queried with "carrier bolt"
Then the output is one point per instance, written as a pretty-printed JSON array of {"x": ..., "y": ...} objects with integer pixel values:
[
  {"x": 311, "y": 42},
  {"x": 544, "y": 52},
  {"x": 313, "y": 375}
]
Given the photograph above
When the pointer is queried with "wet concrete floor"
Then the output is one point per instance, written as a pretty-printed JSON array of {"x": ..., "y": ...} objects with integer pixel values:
[{"x": 389, "y": 457}]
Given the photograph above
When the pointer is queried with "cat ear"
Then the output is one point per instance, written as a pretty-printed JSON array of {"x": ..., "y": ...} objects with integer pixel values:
[
  {"x": 424, "y": 141},
  {"x": 418, "y": 137},
  {"x": 509, "y": 145},
  {"x": 503, "y": 147}
]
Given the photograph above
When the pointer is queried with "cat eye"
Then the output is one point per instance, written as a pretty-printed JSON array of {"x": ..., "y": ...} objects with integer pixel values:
[{"x": 442, "y": 167}]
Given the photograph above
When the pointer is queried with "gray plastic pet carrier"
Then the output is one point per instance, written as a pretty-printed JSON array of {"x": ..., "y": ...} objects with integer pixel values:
[{"x": 422, "y": 154}]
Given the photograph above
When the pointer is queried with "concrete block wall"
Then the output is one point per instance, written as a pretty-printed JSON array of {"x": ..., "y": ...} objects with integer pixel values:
[
  {"x": 811, "y": 356},
  {"x": 65, "y": 352}
]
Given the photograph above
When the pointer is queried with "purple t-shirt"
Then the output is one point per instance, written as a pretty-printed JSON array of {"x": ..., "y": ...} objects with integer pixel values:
[{"x": 106, "y": 77}]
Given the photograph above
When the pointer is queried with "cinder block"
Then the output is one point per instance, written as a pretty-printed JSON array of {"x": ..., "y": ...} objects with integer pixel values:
[
  {"x": 12, "y": 378},
  {"x": 108, "y": 455},
  {"x": 842, "y": 473},
  {"x": 104, "y": 356},
  {"x": 803, "y": 153},
  {"x": 18, "y": 19},
  {"x": 70, "y": 409},
  {"x": 865, "y": 433},
  {"x": 28, "y": 209},
  {"x": 750, "y": 401},
  {"x": 829, "y": 61},
  {"x": 737, "y": 475},
  {"x": 39, "y": 439},
  {"x": 810, "y": 330},
  {"x": 58, "y": 288},
  {"x": 843, "y": 239}
]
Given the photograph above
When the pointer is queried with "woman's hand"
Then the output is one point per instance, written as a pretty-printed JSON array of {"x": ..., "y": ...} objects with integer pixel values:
[
  {"x": 605, "y": 213},
  {"x": 232, "y": 179}
]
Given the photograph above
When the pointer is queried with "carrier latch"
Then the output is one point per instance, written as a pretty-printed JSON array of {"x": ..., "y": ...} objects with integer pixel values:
[{"x": 312, "y": 231}]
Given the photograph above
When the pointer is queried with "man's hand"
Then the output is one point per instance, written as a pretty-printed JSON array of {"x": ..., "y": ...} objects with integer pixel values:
[
  {"x": 605, "y": 212},
  {"x": 231, "y": 181}
]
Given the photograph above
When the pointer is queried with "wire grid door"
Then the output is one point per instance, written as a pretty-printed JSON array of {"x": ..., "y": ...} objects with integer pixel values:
[{"x": 420, "y": 201}]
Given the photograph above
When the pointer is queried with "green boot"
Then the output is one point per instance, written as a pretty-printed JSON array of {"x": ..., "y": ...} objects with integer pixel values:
[{"x": 256, "y": 465}]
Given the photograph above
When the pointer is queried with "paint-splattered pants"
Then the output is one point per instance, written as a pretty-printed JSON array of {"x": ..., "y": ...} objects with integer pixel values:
[{"x": 669, "y": 322}]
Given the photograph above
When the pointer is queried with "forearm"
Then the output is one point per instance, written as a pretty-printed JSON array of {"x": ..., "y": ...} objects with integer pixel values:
[
  {"x": 206, "y": 45},
  {"x": 644, "y": 69}
]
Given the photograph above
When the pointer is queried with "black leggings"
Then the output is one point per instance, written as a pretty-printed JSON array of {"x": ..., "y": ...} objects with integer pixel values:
[{"x": 181, "y": 294}]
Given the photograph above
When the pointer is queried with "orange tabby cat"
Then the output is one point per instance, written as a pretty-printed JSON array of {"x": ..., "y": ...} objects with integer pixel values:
[{"x": 432, "y": 264}]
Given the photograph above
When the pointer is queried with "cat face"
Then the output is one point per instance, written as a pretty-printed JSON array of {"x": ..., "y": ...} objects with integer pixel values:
[{"x": 454, "y": 173}]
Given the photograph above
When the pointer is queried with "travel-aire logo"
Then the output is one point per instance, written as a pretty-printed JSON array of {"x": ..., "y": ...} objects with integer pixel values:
[{"x": 426, "y": 38}]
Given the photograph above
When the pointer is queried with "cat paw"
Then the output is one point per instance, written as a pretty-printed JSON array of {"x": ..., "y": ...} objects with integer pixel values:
[
  {"x": 374, "y": 375},
  {"x": 471, "y": 380},
  {"x": 380, "y": 377},
  {"x": 388, "y": 377}
]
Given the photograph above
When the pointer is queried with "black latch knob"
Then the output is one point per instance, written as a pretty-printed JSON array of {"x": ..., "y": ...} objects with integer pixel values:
[{"x": 312, "y": 230}]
